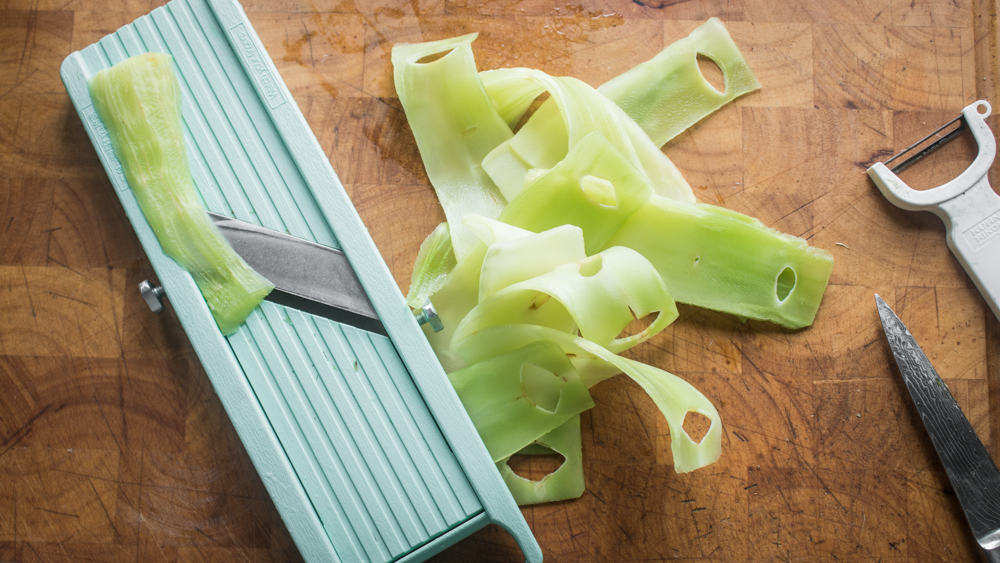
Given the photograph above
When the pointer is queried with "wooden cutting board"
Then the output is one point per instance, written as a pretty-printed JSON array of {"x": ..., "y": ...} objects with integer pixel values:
[{"x": 114, "y": 446}]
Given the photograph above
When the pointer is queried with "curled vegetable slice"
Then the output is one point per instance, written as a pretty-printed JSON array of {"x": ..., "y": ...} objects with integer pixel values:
[
  {"x": 458, "y": 292},
  {"x": 566, "y": 482},
  {"x": 664, "y": 95},
  {"x": 673, "y": 396},
  {"x": 511, "y": 261},
  {"x": 504, "y": 255},
  {"x": 716, "y": 258},
  {"x": 668, "y": 93},
  {"x": 573, "y": 111},
  {"x": 511, "y": 95},
  {"x": 521, "y": 395},
  {"x": 457, "y": 296},
  {"x": 594, "y": 188},
  {"x": 455, "y": 126},
  {"x": 599, "y": 296}
]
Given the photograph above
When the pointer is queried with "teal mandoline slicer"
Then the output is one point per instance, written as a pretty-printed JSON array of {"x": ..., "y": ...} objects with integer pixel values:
[{"x": 359, "y": 438}]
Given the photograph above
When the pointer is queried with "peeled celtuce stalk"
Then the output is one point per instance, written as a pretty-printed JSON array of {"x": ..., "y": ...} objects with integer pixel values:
[{"x": 139, "y": 102}]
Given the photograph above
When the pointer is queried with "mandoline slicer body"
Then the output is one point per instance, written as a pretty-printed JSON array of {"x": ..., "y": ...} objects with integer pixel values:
[{"x": 359, "y": 439}]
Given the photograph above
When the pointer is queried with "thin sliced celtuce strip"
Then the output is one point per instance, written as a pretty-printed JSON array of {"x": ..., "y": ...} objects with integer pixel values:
[
  {"x": 573, "y": 111},
  {"x": 673, "y": 396},
  {"x": 716, "y": 258},
  {"x": 598, "y": 296},
  {"x": 668, "y": 93},
  {"x": 519, "y": 396},
  {"x": 435, "y": 259},
  {"x": 594, "y": 188},
  {"x": 566, "y": 482},
  {"x": 455, "y": 126}
]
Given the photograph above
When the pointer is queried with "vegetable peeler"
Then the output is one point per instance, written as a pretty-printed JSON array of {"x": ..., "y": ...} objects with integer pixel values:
[
  {"x": 971, "y": 471},
  {"x": 967, "y": 204},
  {"x": 352, "y": 425}
]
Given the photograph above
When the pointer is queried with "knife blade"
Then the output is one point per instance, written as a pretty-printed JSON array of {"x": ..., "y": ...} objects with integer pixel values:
[
  {"x": 969, "y": 467},
  {"x": 307, "y": 276}
]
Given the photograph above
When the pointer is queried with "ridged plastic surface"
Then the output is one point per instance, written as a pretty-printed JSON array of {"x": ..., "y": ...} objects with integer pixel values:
[
  {"x": 360, "y": 466},
  {"x": 337, "y": 397}
]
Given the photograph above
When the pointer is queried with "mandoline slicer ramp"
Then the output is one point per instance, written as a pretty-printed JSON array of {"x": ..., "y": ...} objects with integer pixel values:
[{"x": 359, "y": 439}]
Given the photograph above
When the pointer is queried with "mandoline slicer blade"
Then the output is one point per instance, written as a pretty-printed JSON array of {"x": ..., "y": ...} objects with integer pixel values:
[{"x": 359, "y": 439}]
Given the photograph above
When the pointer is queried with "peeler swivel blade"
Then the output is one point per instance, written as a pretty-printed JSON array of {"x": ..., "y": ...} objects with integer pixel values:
[{"x": 967, "y": 204}]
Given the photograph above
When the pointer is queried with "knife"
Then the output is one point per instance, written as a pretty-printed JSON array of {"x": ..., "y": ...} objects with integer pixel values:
[
  {"x": 307, "y": 276},
  {"x": 972, "y": 473}
]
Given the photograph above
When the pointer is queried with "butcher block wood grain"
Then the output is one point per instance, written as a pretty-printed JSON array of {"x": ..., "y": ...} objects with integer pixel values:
[{"x": 113, "y": 445}]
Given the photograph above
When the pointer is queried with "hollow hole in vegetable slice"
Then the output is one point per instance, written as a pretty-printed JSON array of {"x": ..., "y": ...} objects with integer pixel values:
[
  {"x": 785, "y": 283},
  {"x": 540, "y": 387},
  {"x": 537, "y": 103},
  {"x": 712, "y": 73},
  {"x": 591, "y": 266},
  {"x": 599, "y": 191},
  {"x": 536, "y": 466},
  {"x": 696, "y": 426},
  {"x": 697, "y": 259},
  {"x": 433, "y": 57},
  {"x": 638, "y": 324},
  {"x": 538, "y": 301}
]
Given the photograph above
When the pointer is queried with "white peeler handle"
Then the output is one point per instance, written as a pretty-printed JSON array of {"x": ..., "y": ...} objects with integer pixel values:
[
  {"x": 973, "y": 225},
  {"x": 967, "y": 204}
]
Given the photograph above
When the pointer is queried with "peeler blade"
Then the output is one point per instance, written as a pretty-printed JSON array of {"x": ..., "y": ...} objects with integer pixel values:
[{"x": 936, "y": 139}]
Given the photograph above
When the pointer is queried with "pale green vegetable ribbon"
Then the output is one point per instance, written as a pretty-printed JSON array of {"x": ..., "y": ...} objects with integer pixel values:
[
  {"x": 535, "y": 385},
  {"x": 671, "y": 394},
  {"x": 519, "y": 295},
  {"x": 574, "y": 111},
  {"x": 565, "y": 230},
  {"x": 598, "y": 296},
  {"x": 668, "y": 93},
  {"x": 455, "y": 126},
  {"x": 566, "y": 482}
]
